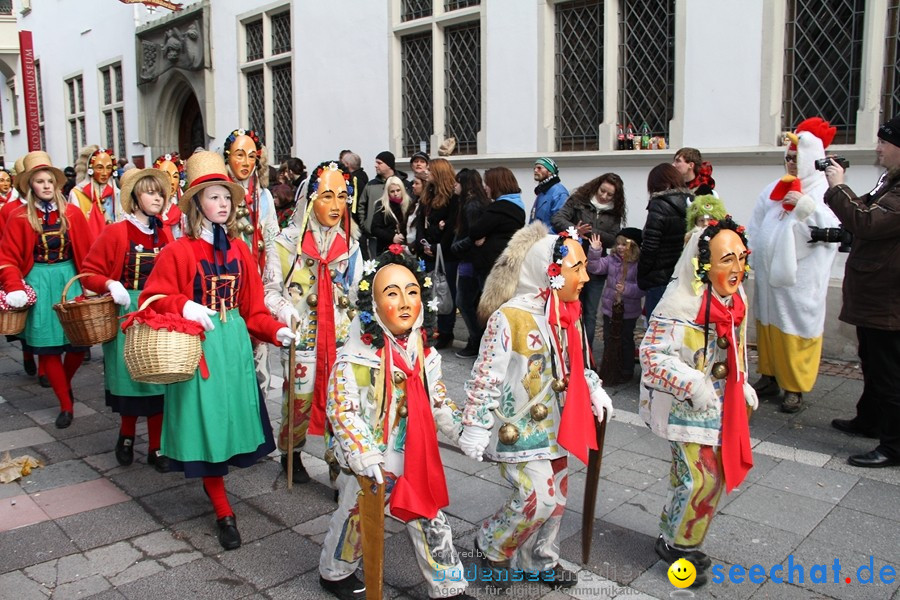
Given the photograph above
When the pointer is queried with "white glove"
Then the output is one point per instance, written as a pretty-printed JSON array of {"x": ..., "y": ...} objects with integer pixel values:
[
  {"x": 601, "y": 401},
  {"x": 474, "y": 440},
  {"x": 750, "y": 396},
  {"x": 199, "y": 314},
  {"x": 373, "y": 472},
  {"x": 17, "y": 299},
  {"x": 287, "y": 313},
  {"x": 704, "y": 395},
  {"x": 119, "y": 293},
  {"x": 285, "y": 336}
]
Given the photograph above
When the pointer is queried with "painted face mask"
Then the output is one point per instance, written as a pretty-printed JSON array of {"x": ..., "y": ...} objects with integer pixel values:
[
  {"x": 728, "y": 255},
  {"x": 169, "y": 168},
  {"x": 397, "y": 298},
  {"x": 102, "y": 168},
  {"x": 573, "y": 271},
  {"x": 331, "y": 198},
  {"x": 242, "y": 157}
]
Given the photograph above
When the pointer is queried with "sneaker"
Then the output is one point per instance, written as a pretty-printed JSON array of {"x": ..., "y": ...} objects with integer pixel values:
[
  {"x": 467, "y": 352},
  {"x": 558, "y": 577},
  {"x": 125, "y": 450},
  {"x": 348, "y": 588},
  {"x": 228, "y": 534},
  {"x": 766, "y": 387},
  {"x": 670, "y": 554},
  {"x": 300, "y": 474},
  {"x": 792, "y": 402}
]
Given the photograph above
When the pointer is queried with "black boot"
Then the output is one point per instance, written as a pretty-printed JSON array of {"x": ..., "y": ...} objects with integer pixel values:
[
  {"x": 43, "y": 381},
  {"x": 348, "y": 588},
  {"x": 228, "y": 534},
  {"x": 64, "y": 419},
  {"x": 30, "y": 367},
  {"x": 300, "y": 474},
  {"x": 558, "y": 577},
  {"x": 125, "y": 450},
  {"x": 670, "y": 554},
  {"x": 159, "y": 462}
]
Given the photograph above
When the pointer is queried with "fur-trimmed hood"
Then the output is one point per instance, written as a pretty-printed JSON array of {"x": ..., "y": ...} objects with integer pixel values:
[{"x": 509, "y": 276}]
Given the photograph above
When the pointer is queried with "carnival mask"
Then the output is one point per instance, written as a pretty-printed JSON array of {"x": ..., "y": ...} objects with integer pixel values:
[
  {"x": 728, "y": 256},
  {"x": 242, "y": 157},
  {"x": 573, "y": 271},
  {"x": 169, "y": 168},
  {"x": 331, "y": 198},
  {"x": 102, "y": 168},
  {"x": 5, "y": 182},
  {"x": 397, "y": 298}
]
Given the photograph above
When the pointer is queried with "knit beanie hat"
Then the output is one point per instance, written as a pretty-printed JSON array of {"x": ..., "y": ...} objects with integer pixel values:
[
  {"x": 890, "y": 131},
  {"x": 549, "y": 164},
  {"x": 387, "y": 158}
]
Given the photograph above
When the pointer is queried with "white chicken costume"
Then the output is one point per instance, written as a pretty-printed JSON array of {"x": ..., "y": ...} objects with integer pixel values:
[{"x": 791, "y": 274}]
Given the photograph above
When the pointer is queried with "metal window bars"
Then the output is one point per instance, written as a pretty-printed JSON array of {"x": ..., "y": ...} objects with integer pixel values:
[
  {"x": 579, "y": 74},
  {"x": 282, "y": 112},
  {"x": 256, "y": 115},
  {"x": 462, "y": 85},
  {"x": 890, "y": 95},
  {"x": 254, "y": 35},
  {"x": 281, "y": 33},
  {"x": 417, "y": 86}
]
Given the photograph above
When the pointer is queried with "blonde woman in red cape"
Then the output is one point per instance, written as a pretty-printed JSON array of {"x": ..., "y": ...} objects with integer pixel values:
[{"x": 44, "y": 244}]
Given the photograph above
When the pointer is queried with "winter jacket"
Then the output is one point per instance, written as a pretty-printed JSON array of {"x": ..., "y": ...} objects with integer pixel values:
[
  {"x": 497, "y": 224},
  {"x": 603, "y": 223},
  {"x": 872, "y": 275},
  {"x": 385, "y": 227},
  {"x": 428, "y": 227},
  {"x": 548, "y": 203},
  {"x": 463, "y": 246},
  {"x": 663, "y": 237},
  {"x": 611, "y": 266},
  {"x": 367, "y": 202}
]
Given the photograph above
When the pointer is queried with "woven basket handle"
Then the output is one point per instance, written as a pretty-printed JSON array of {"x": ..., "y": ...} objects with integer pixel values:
[
  {"x": 70, "y": 282},
  {"x": 152, "y": 298}
]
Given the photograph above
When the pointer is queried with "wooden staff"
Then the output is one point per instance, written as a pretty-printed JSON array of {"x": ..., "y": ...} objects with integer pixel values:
[
  {"x": 595, "y": 458},
  {"x": 371, "y": 520},
  {"x": 292, "y": 370}
]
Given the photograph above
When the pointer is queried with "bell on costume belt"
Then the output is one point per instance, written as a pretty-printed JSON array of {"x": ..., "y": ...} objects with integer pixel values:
[
  {"x": 509, "y": 434},
  {"x": 399, "y": 379}
]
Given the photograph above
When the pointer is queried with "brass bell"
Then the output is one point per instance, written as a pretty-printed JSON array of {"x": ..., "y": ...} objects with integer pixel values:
[
  {"x": 509, "y": 434},
  {"x": 242, "y": 204},
  {"x": 539, "y": 412},
  {"x": 310, "y": 262},
  {"x": 343, "y": 302},
  {"x": 260, "y": 244},
  {"x": 399, "y": 377},
  {"x": 351, "y": 313},
  {"x": 720, "y": 370},
  {"x": 333, "y": 273},
  {"x": 559, "y": 385},
  {"x": 312, "y": 299},
  {"x": 242, "y": 212},
  {"x": 248, "y": 228},
  {"x": 402, "y": 411},
  {"x": 722, "y": 342}
]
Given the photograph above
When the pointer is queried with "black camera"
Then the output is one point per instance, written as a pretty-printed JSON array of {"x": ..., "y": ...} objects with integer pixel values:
[
  {"x": 823, "y": 163},
  {"x": 832, "y": 235}
]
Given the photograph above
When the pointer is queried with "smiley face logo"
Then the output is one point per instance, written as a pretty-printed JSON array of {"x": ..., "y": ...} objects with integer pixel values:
[{"x": 682, "y": 573}]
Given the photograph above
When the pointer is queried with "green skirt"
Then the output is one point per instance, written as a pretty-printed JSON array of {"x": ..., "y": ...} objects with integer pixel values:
[
  {"x": 212, "y": 420},
  {"x": 123, "y": 394},
  {"x": 42, "y": 327}
]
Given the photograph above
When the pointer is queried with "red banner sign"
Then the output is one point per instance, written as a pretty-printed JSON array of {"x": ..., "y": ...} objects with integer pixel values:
[
  {"x": 30, "y": 93},
  {"x": 174, "y": 6}
]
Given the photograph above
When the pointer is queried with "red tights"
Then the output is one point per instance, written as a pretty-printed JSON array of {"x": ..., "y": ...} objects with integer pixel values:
[
  {"x": 154, "y": 429},
  {"x": 215, "y": 489},
  {"x": 60, "y": 372}
]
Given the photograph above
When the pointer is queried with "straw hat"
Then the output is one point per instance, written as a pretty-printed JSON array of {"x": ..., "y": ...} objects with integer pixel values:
[
  {"x": 203, "y": 170},
  {"x": 33, "y": 162},
  {"x": 131, "y": 177}
]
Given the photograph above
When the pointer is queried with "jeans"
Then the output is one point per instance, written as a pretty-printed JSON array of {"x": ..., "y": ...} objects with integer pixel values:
[
  {"x": 652, "y": 298},
  {"x": 468, "y": 292},
  {"x": 590, "y": 302}
]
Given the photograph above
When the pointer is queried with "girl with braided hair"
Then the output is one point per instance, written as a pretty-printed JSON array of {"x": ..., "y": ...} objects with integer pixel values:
[{"x": 695, "y": 391}]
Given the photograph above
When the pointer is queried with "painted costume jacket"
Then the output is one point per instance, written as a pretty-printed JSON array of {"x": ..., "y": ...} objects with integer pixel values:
[{"x": 368, "y": 434}]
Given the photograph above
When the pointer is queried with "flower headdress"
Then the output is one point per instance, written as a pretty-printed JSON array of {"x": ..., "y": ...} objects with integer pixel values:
[
  {"x": 98, "y": 152},
  {"x": 554, "y": 269},
  {"x": 175, "y": 160},
  {"x": 704, "y": 259},
  {"x": 235, "y": 135},
  {"x": 396, "y": 254}
]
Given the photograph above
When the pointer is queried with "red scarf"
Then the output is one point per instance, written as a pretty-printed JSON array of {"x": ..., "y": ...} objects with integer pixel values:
[
  {"x": 172, "y": 219},
  {"x": 326, "y": 344},
  {"x": 737, "y": 459},
  {"x": 253, "y": 217},
  {"x": 97, "y": 218},
  {"x": 422, "y": 490},
  {"x": 576, "y": 428}
]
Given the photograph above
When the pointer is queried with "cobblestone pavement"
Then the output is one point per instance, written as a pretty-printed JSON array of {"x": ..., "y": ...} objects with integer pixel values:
[{"x": 85, "y": 527}]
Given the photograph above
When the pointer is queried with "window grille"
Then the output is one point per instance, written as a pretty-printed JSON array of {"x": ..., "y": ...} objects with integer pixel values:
[
  {"x": 256, "y": 116},
  {"x": 415, "y": 9},
  {"x": 579, "y": 74},
  {"x": 417, "y": 86},
  {"x": 647, "y": 64},
  {"x": 120, "y": 132},
  {"x": 462, "y": 70},
  {"x": 822, "y": 60},
  {"x": 6, "y": 7},
  {"x": 74, "y": 87},
  {"x": 254, "y": 33},
  {"x": 70, "y": 84},
  {"x": 107, "y": 87},
  {"x": 281, "y": 33},
  {"x": 113, "y": 109},
  {"x": 458, "y": 4},
  {"x": 117, "y": 72},
  {"x": 283, "y": 112},
  {"x": 890, "y": 102},
  {"x": 110, "y": 130}
]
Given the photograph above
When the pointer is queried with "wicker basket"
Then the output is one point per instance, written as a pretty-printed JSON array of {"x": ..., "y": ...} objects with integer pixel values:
[
  {"x": 12, "y": 320},
  {"x": 158, "y": 355},
  {"x": 90, "y": 321}
]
